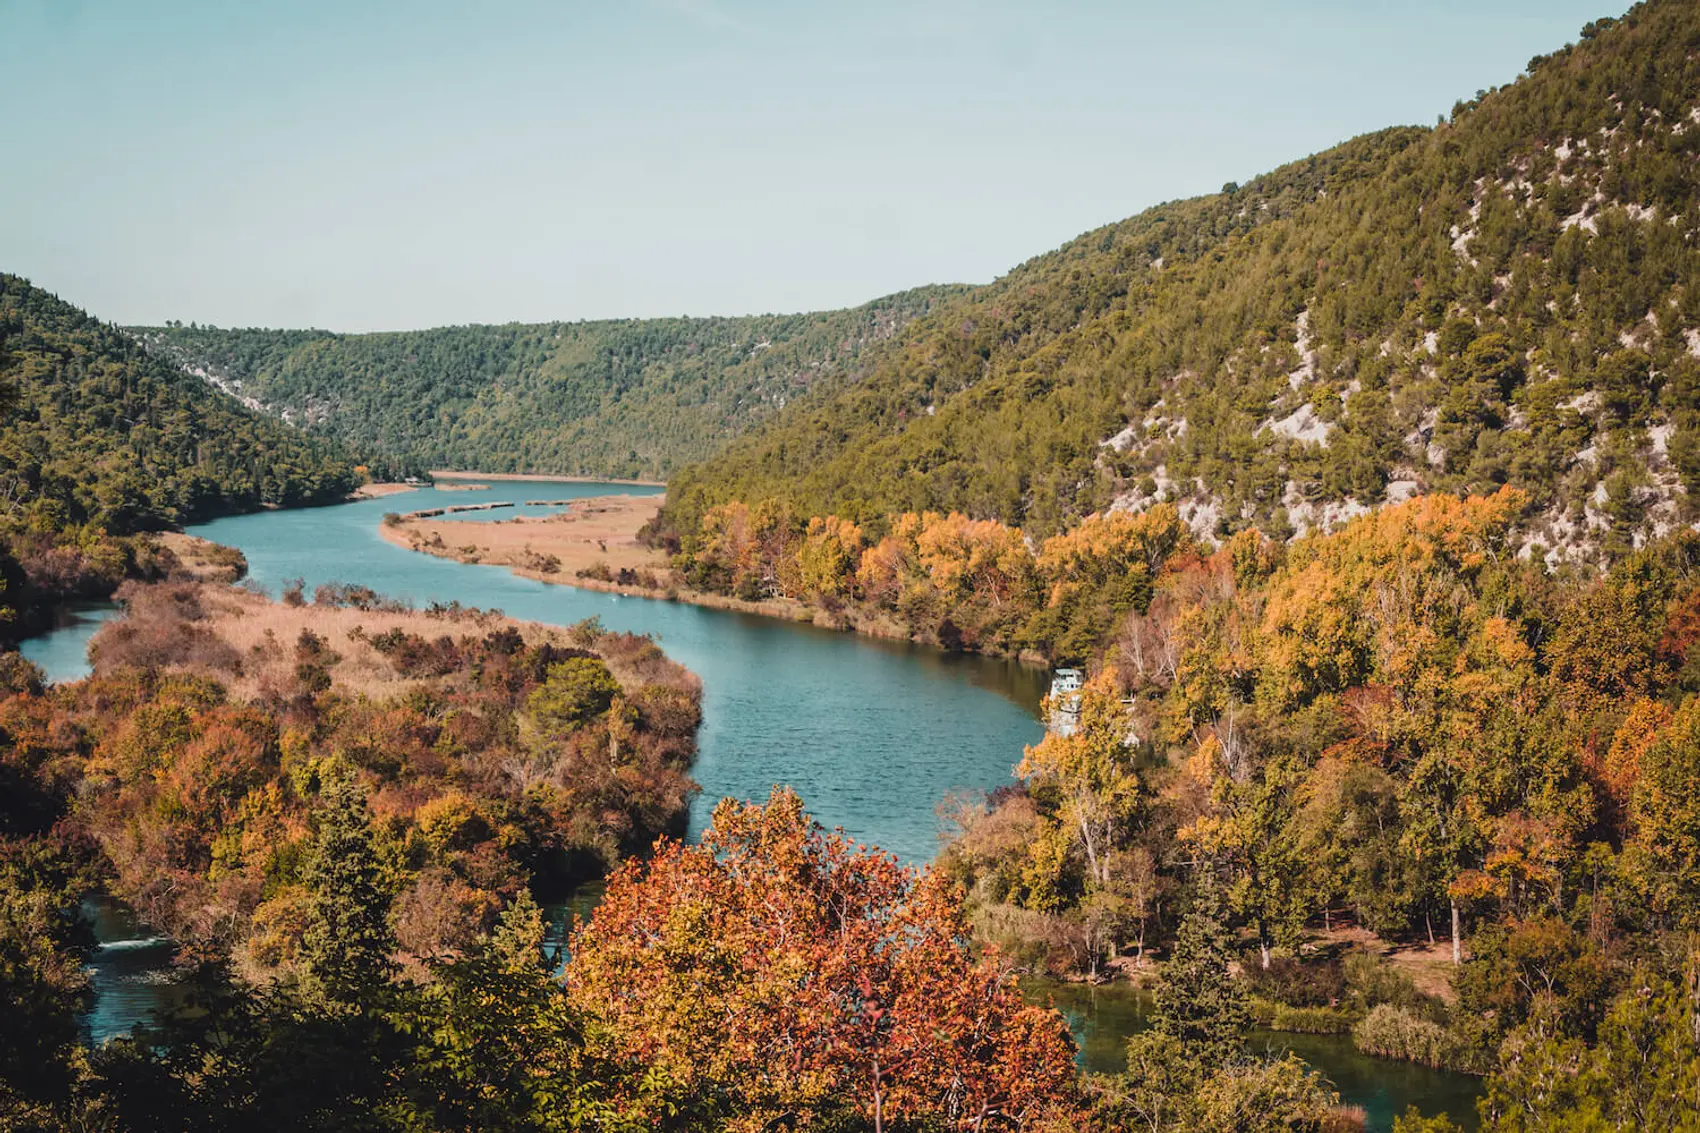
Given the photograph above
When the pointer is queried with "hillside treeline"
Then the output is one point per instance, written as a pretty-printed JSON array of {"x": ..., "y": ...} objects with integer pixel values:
[
  {"x": 1506, "y": 298},
  {"x": 633, "y": 398},
  {"x": 99, "y": 441}
]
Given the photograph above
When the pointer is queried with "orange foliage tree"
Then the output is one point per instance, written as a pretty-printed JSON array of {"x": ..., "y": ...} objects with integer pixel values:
[{"x": 778, "y": 973}]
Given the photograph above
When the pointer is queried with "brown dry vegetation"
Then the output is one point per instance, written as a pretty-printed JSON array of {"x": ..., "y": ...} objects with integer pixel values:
[
  {"x": 249, "y": 643},
  {"x": 376, "y": 491},
  {"x": 602, "y": 530},
  {"x": 496, "y": 754},
  {"x": 201, "y": 560}
]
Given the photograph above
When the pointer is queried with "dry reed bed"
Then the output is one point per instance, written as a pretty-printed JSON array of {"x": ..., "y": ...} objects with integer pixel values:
[
  {"x": 250, "y": 643},
  {"x": 600, "y": 530}
]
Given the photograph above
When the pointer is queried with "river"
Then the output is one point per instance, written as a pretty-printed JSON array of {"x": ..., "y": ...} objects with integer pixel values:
[{"x": 871, "y": 734}]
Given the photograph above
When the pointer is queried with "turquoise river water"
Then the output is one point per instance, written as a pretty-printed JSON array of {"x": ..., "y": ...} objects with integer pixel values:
[{"x": 872, "y": 735}]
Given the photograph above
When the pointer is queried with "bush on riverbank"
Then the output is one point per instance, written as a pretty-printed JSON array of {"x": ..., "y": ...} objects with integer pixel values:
[
  {"x": 1394, "y": 1032},
  {"x": 1300, "y": 1020},
  {"x": 1296, "y": 983}
]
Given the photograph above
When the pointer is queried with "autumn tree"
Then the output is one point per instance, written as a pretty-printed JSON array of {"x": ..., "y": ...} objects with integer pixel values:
[
  {"x": 828, "y": 559},
  {"x": 1103, "y": 569},
  {"x": 780, "y": 973},
  {"x": 1093, "y": 768},
  {"x": 1665, "y": 813}
]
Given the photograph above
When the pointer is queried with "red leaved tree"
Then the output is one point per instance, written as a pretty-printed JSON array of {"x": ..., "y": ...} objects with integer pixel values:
[{"x": 779, "y": 973}]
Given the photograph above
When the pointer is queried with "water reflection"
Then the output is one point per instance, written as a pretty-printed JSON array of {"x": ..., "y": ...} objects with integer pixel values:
[
  {"x": 63, "y": 652},
  {"x": 1103, "y": 1017}
]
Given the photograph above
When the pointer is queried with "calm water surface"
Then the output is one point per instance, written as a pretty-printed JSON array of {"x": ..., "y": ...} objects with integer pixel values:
[
  {"x": 871, "y": 734},
  {"x": 63, "y": 653},
  {"x": 1102, "y": 1018}
]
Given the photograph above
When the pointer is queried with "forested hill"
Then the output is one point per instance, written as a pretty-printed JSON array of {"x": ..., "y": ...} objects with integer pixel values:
[
  {"x": 101, "y": 442},
  {"x": 1508, "y": 297},
  {"x": 97, "y": 431},
  {"x": 632, "y": 398}
]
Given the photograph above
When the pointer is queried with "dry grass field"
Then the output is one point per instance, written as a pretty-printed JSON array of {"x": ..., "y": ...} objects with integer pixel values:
[
  {"x": 249, "y": 642},
  {"x": 602, "y": 529},
  {"x": 203, "y": 560},
  {"x": 377, "y": 491}
]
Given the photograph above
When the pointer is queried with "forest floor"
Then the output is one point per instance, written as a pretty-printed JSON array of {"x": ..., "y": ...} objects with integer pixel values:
[{"x": 1429, "y": 966}]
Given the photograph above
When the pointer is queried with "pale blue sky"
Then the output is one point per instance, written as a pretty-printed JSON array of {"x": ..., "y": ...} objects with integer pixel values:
[{"x": 381, "y": 164}]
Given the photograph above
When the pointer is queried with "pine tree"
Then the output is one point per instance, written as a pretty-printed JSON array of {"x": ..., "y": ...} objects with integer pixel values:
[
  {"x": 1198, "y": 1002},
  {"x": 349, "y": 946}
]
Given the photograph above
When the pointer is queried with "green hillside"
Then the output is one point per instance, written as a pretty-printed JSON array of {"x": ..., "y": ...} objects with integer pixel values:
[
  {"x": 632, "y": 398},
  {"x": 100, "y": 440},
  {"x": 1507, "y": 297}
]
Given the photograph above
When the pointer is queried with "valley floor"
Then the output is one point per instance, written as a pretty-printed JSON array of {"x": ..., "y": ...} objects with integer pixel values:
[{"x": 598, "y": 535}]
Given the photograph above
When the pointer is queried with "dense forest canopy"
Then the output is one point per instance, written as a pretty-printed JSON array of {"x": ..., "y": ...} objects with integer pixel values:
[
  {"x": 628, "y": 398},
  {"x": 1506, "y": 298}
]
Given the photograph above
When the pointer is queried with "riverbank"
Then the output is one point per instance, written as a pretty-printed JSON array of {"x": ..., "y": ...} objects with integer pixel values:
[
  {"x": 201, "y": 560},
  {"x": 595, "y": 546},
  {"x": 378, "y": 491},
  {"x": 539, "y": 477}
]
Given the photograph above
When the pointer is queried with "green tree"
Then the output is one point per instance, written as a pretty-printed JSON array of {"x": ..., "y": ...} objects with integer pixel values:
[
  {"x": 348, "y": 946},
  {"x": 576, "y": 690},
  {"x": 500, "y": 1046},
  {"x": 1198, "y": 1002}
]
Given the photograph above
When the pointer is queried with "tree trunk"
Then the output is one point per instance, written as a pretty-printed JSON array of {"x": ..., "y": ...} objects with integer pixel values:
[
  {"x": 1428, "y": 923},
  {"x": 1086, "y": 840},
  {"x": 879, "y": 1100},
  {"x": 1457, "y": 937}
]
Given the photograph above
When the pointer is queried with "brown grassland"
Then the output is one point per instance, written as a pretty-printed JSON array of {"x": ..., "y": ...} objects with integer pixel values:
[
  {"x": 377, "y": 491},
  {"x": 600, "y": 535},
  {"x": 231, "y": 624}
]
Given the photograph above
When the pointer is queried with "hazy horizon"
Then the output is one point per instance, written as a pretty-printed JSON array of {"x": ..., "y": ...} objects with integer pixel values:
[{"x": 412, "y": 166}]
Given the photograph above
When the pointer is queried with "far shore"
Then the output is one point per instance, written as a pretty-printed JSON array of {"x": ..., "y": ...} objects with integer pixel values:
[
  {"x": 600, "y": 534},
  {"x": 445, "y": 474},
  {"x": 379, "y": 490}
]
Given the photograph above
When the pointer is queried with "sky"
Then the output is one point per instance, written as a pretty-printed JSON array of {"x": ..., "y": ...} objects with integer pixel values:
[{"x": 395, "y": 164}]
